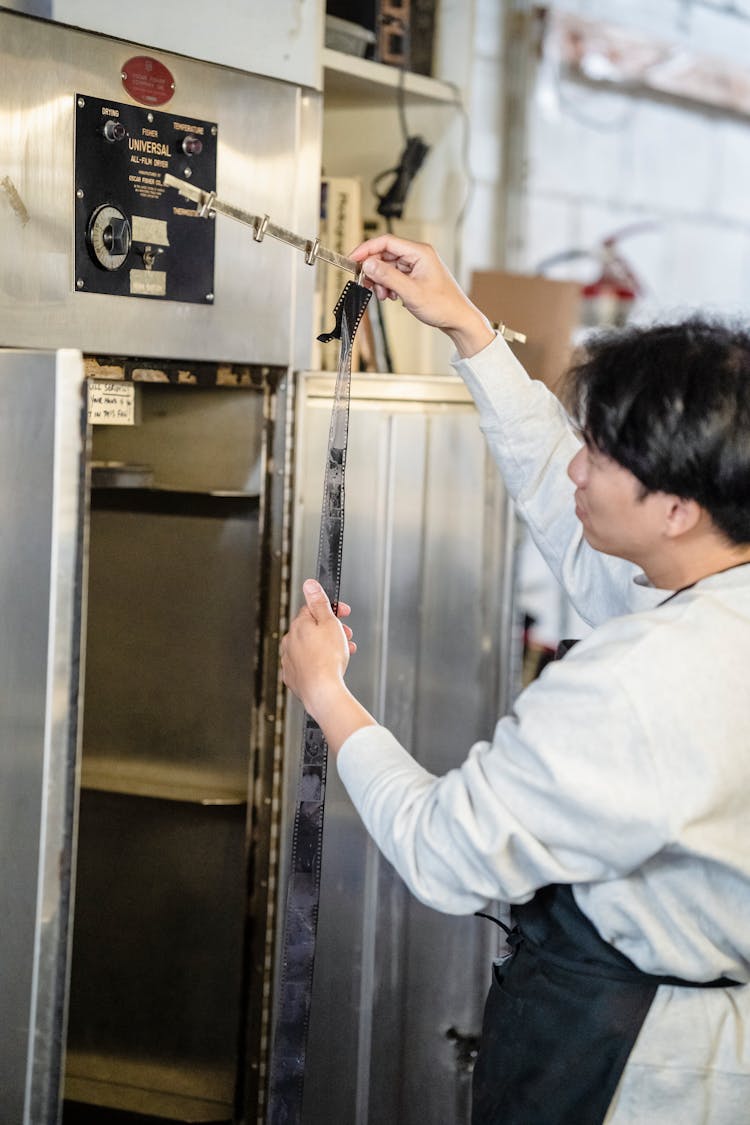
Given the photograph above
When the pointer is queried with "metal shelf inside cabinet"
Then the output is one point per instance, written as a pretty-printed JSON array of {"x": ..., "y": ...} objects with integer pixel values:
[
  {"x": 175, "y": 501},
  {"x": 146, "y": 1087},
  {"x": 141, "y": 779},
  {"x": 175, "y": 490},
  {"x": 348, "y": 79}
]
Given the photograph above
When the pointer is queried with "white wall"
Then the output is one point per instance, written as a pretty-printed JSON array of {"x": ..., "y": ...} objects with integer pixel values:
[
  {"x": 599, "y": 160},
  {"x": 482, "y": 84}
]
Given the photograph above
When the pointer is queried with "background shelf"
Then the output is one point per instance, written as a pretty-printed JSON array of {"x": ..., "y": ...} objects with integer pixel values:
[{"x": 347, "y": 78}]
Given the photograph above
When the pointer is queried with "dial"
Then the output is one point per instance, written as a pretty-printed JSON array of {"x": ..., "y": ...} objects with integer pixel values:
[{"x": 108, "y": 236}]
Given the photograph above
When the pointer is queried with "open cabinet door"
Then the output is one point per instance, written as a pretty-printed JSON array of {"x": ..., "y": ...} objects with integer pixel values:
[{"x": 42, "y": 514}]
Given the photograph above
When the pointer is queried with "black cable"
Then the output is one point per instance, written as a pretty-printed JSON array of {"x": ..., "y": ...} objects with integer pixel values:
[{"x": 391, "y": 202}]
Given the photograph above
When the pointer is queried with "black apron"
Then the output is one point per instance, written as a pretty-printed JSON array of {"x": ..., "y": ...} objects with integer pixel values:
[{"x": 561, "y": 1018}]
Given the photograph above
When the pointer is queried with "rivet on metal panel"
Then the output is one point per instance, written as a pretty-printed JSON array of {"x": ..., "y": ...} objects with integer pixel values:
[
  {"x": 79, "y": 193},
  {"x": 209, "y": 296},
  {"x": 187, "y": 173},
  {"x": 214, "y": 130},
  {"x": 81, "y": 103},
  {"x": 80, "y": 283},
  {"x": 149, "y": 117}
]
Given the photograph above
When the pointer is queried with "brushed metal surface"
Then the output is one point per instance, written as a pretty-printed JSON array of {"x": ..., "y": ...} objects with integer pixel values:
[
  {"x": 170, "y": 652},
  {"x": 41, "y": 478},
  {"x": 169, "y": 749},
  {"x": 425, "y": 549},
  {"x": 193, "y": 438},
  {"x": 281, "y": 41},
  {"x": 268, "y": 161},
  {"x": 155, "y": 1003}
]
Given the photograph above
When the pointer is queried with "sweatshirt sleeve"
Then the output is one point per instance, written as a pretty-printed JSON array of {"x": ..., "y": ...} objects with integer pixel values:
[
  {"x": 532, "y": 442},
  {"x": 566, "y": 792}
]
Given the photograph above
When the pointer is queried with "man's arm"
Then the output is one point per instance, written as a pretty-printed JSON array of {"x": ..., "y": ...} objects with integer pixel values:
[
  {"x": 527, "y": 430},
  {"x": 567, "y": 791}
]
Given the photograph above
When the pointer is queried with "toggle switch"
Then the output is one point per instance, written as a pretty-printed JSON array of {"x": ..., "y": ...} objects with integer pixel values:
[{"x": 114, "y": 131}]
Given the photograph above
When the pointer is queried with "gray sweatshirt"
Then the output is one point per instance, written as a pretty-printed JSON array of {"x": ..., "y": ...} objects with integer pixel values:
[{"x": 623, "y": 771}]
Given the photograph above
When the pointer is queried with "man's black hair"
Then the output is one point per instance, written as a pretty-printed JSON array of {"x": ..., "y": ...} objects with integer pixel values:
[{"x": 671, "y": 403}]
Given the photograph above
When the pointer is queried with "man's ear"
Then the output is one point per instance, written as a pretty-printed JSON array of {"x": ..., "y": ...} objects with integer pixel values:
[{"x": 682, "y": 516}]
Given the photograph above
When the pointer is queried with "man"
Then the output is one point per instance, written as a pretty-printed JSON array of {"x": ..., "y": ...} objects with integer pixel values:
[{"x": 612, "y": 808}]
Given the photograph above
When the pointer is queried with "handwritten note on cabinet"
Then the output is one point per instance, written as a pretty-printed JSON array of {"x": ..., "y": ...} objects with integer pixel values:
[{"x": 111, "y": 404}]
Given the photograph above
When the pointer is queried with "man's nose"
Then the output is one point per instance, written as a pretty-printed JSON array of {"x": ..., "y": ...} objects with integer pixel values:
[{"x": 577, "y": 468}]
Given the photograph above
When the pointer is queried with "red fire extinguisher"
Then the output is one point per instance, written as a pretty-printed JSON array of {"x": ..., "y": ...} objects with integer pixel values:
[{"x": 607, "y": 301}]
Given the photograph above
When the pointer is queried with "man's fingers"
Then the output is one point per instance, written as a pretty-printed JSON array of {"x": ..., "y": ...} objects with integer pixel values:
[
  {"x": 385, "y": 244},
  {"x": 382, "y": 273},
  {"x": 316, "y": 599}
]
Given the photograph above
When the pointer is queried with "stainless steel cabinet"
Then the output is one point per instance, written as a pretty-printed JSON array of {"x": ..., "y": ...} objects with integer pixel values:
[
  {"x": 399, "y": 989},
  {"x": 42, "y": 501}
]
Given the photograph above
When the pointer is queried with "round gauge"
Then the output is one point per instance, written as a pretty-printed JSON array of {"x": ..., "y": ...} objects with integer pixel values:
[{"x": 108, "y": 236}]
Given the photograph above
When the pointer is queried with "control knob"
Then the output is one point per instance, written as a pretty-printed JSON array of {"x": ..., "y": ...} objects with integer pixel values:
[{"x": 108, "y": 236}]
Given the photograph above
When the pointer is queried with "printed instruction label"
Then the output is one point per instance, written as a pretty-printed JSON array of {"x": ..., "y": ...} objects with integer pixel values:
[{"x": 111, "y": 404}]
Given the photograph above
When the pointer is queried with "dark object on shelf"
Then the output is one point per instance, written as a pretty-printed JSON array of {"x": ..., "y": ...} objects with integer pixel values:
[
  {"x": 362, "y": 12},
  {"x": 404, "y": 29},
  {"x": 422, "y": 37},
  {"x": 391, "y": 205},
  {"x": 394, "y": 33}
]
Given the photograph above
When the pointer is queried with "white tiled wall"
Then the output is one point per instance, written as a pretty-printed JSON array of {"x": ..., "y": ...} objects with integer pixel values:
[{"x": 599, "y": 161}]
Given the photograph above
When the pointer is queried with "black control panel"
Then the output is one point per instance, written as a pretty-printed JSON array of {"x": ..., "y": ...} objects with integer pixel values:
[{"x": 134, "y": 236}]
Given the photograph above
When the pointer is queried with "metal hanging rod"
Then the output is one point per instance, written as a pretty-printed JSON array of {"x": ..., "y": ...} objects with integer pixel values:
[{"x": 261, "y": 226}]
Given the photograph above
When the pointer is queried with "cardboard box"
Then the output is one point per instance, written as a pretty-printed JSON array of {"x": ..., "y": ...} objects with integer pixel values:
[{"x": 547, "y": 311}]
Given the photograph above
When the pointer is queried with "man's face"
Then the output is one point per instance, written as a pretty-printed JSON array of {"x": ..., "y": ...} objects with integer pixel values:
[{"x": 615, "y": 515}]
